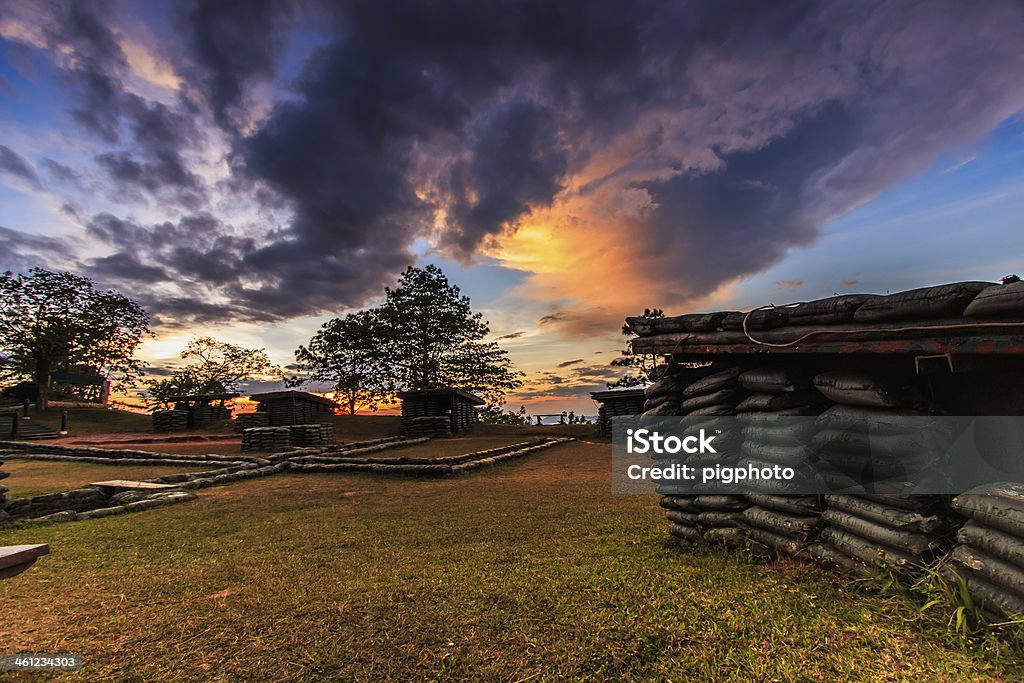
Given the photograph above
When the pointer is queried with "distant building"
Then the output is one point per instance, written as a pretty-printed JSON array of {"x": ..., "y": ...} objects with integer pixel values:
[
  {"x": 460, "y": 407},
  {"x": 193, "y": 411},
  {"x": 293, "y": 407},
  {"x": 614, "y": 403}
]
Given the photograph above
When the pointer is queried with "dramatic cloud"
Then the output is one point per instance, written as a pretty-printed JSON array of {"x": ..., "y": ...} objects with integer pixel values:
[{"x": 666, "y": 149}]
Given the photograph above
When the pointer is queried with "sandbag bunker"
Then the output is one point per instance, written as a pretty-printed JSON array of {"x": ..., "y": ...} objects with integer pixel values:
[{"x": 954, "y": 349}]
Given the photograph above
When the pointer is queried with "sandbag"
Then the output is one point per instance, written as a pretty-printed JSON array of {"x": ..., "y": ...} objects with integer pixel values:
[
  {"x": 796, "y": 505},
  {"x": 892, "y": 517},
  {"x": 729, "y": 536},
  {"x": 995, "y": 571},
  {"x": 728, "y": 396},
  {"x": 907, "y": 502},
  {"x": 761, "y": 319},
  {"x": 682, "y": 518},
  {"x": 690, "y": 322},
  {"x": 717, "y": 518},
  {"x": 872, "y": 420},
  {"x": 655, "y": 401},
  {"x": 721, "y": 409},
  {"x": 867, "y": 551},
  {"x": 792, "y": 526},
  {"x": 830, "y": 556},
  {"x": 772, "y": 402},
  {"x": 775, "y": 380},
  {"x": 712, "y": 383},
  {"x": 908, "y": 447},
  {"x": 681, "y": 503},
  {"x": 865, "y": 468},
  {"x": 667, "y": 408},
  {"x": 858, "y": 389},
  {"x": 996, "y": 543},
  {"x": 781, "y": 544},
  {"x": 996, "y": 512},
  {"x": 668, "y": 385},
  {"x": 830, "y": 311},
  {"x": 720, "y": 503},
  {"x": 908, "y": 541},
  {"x": 942, "y": 301},
  {"x": 788, "y": 456},
  {"x": 774, "y": 434},
  {"x": 997, "y": 301},
  {"x": 988, "y": 596},
  {"x": 690, "y": 534}
]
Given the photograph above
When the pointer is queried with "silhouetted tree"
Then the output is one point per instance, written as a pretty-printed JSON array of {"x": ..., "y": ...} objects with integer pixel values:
[{"x": 52, "y": 321}]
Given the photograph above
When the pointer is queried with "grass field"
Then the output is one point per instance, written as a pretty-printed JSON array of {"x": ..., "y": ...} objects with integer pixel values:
[
  {"x": 36, "y": 477},
  {"x": 531, "y": 570}
]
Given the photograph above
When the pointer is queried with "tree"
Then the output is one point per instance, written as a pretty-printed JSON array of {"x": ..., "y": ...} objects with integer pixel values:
[
  {"x": 348, "y": 353},
  {"x": 434, "y": 340},
  {"x": 642, "y": 364},
  {"x": 494, "y": 414},
  {"x": 423, "y": 336},
  {"x": 51, "y": 321},
  {"x": 215, "y": 367}
]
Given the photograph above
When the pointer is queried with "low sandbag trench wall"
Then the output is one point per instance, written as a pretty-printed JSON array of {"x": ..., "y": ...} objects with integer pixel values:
[
  {"x": 429, "y": 467},
  {"x": 852, "y": 357},
  {"x": 93, "y": 501}
]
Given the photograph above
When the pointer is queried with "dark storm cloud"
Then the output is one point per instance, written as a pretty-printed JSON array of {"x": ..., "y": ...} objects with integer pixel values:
[
  {"x": 11, "y": 162},
  {"x": 742, "y": 127},
  {"x": 516, "y": 161},
  {"x": 235, "y": 42}
]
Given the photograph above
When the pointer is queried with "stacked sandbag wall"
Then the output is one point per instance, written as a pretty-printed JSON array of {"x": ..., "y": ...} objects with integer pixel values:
[
  {"x": 434, "y": 427},
  {"x": 630, "y": 403},
  {"x": 204, "y": 415},
  {"x": 989, "y": 556},
  {"x": 170, "y": 420},
  {"x": 464, "y": 415},
  {"x": 310, "y": 435},
  {"x": 250, "y": 420},
  {"x": 266, "y": 438},
  {"x": 708, "y": 518}
]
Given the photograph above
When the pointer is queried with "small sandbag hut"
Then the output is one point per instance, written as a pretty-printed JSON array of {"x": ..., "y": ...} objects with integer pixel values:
[
  {"x": 293, "y": 407},
  {"x": 457, "y": 405},
  {"x": 614, "y": 403}
]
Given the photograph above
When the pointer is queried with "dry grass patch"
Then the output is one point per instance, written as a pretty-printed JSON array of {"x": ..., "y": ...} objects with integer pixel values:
[{"x": 531, "y": 569}]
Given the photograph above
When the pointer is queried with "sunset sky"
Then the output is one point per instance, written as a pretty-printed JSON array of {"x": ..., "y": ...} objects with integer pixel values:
[{"x": 248, "y": 170}]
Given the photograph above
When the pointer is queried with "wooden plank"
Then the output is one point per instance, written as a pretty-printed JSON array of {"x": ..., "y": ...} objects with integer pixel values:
[
  {"x": 13, "y": 555},
  {"x": 129, "y": 484}
]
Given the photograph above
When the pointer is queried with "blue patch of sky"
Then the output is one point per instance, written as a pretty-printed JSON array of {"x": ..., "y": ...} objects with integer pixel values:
[{"x": 960, "y": 220}]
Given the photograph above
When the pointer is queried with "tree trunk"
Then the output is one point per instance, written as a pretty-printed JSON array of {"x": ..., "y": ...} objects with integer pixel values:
[
  {"x": 42, "y": 379},
  {"x": 352, "y": 405}
]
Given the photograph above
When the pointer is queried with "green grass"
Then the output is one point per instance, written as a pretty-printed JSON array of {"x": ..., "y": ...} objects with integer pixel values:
[
  {"x": 36, "y": 477},
  {"x": 531, "y": 570}
]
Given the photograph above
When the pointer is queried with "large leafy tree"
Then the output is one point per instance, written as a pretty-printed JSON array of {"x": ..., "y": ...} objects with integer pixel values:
[
  {"x": 435, "y": 340},
  {"x": 53, "y": 321},
  {"x": 214, "y": 367},
  {"x": 424, "y": 335},
  {"x": 639, "y": 366},
  {"x": 348, "y": 352}
]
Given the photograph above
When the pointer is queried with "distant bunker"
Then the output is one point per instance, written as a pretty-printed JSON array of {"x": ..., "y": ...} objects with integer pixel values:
[
  {"x": 614, "y": 403},
  {"x": 439, "y": 412},
  {"x": 193, "y": 411}
]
